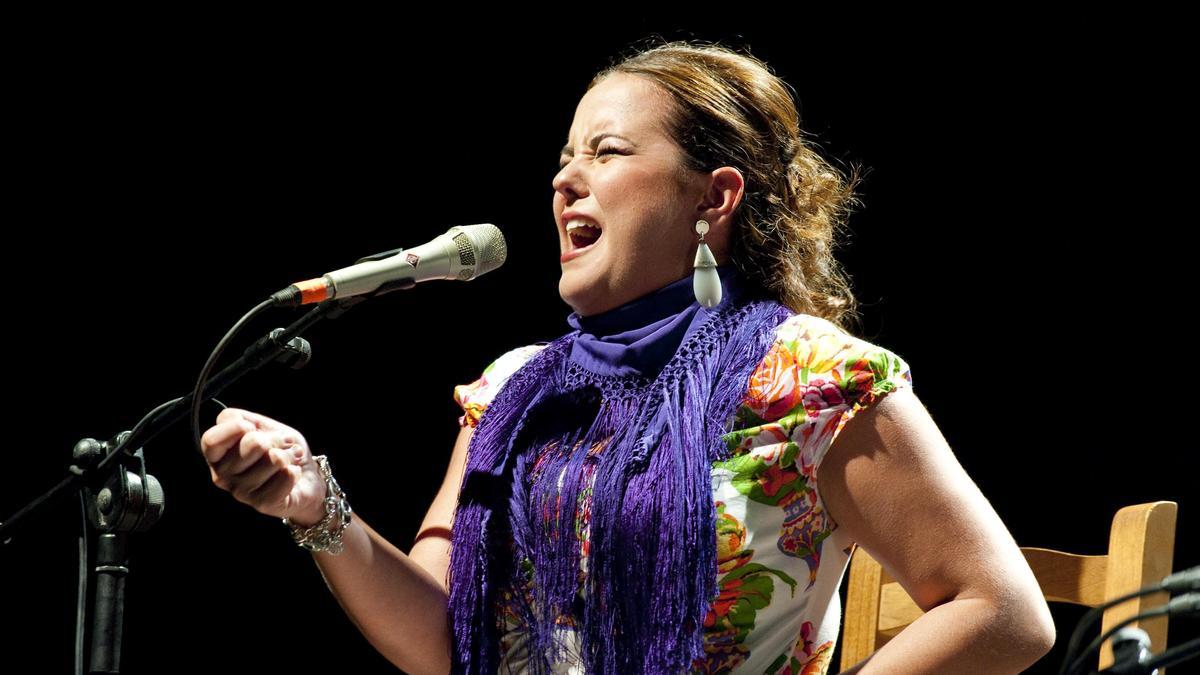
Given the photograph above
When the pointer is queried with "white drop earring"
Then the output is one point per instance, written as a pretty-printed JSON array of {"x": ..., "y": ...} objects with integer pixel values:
[{"x": 706, "y": 282}]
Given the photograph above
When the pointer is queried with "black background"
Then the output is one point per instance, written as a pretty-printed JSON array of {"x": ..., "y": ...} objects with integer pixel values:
[{"x": 1023, "y": 245}]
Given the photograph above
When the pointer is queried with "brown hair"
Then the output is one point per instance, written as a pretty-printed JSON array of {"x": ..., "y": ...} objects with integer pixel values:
[{"x": 730, "y": 109}]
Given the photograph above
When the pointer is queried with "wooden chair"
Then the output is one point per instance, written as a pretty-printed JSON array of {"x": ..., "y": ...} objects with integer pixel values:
[{"x": 1141, "y": 546}]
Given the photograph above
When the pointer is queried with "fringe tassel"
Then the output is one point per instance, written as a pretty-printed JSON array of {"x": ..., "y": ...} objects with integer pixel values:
[{"x": 652, "y": 564}]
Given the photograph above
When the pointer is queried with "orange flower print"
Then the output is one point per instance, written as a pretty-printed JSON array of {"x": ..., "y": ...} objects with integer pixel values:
[
  {"x": 820, "y": 347},
  {"x": 804, "y": 659},
  {"x": 466, "y": 395},
  {"x": 775, "y": 477},
  {"x": 774, "y": 389},
  {"x": 744, "y": 588},
  {"x": 728, "y": 597},
  {"x": 731, "y": 537}
]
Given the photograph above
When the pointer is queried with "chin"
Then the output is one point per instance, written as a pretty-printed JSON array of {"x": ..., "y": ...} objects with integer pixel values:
[
  {"x": 582, "y": 278},
  {"x": 571, "y": 293},
  {"x": 576, "y": 287}
]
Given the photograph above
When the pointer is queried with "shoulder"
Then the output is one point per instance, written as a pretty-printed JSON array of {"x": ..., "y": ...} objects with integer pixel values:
[
  {"x": 814, "y": 364},
  {"x": 475, "y": 396}
]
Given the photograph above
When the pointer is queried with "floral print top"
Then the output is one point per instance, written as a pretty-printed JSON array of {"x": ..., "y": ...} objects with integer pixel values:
[{"x": 780, "y": 557}]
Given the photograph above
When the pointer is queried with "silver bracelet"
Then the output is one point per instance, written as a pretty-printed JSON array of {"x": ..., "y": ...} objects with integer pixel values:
[{"x": 327, "y": 534}]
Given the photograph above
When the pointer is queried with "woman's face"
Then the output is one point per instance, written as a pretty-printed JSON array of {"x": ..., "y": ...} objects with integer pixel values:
[{"x": 631, "y": 185}]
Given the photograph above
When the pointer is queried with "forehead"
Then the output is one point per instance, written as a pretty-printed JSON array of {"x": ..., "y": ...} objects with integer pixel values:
[{"x": 621, "y": 103}]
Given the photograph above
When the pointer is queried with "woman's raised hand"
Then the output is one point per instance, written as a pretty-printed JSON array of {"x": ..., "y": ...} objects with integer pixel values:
[{"x": 266, "y": 465}]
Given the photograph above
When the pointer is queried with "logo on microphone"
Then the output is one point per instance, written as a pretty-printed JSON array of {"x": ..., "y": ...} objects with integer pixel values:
[{"x": 412, "y": 259}]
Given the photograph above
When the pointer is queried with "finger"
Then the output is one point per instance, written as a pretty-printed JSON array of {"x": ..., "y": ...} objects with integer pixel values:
[
  {"x": 216, "y": 442},
  {"x": 261, "y": 422},
  {"x": 275, "y": 490},
  {"x": 229, "y": 415},
  {"x": 251, "y": 449},
  {"x": 270, "y": 464},
  {"x": 243, "y": 454}
]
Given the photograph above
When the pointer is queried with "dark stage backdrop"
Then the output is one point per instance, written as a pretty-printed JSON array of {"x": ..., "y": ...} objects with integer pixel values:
[{"x": 1020, "y": 245}]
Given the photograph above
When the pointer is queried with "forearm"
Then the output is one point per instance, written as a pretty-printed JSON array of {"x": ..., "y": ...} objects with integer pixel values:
[
  {"x": 968, "y": 635},
  {"x": 397, "y": 605}
]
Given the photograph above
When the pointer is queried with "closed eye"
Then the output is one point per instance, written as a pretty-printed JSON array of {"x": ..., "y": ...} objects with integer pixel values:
[{"x": 562, "y": 163}]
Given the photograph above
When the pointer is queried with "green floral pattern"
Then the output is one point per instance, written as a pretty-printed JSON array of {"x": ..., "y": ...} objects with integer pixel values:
[{"x": 780, "y": 556}]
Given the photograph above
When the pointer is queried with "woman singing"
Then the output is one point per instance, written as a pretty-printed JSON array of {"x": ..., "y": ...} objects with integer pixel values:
[{"x": 675, "y": 484}]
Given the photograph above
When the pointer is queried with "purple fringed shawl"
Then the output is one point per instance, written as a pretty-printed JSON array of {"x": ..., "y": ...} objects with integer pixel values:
[{"x": 663, "y": 409}]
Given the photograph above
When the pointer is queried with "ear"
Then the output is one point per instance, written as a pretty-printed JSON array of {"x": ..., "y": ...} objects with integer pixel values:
[{"x": 722, "y": 195}]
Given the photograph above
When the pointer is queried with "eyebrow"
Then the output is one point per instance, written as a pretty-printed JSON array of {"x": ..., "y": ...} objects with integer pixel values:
[{"x": 566, "y": 150}]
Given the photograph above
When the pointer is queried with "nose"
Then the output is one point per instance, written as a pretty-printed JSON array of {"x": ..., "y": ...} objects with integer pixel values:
[{"x": 569, "y": 181}]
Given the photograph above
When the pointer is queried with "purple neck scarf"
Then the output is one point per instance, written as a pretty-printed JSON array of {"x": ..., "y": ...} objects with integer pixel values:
[
  {"x": 638, "y": 398},
  {"x": 639, "y": 337}
]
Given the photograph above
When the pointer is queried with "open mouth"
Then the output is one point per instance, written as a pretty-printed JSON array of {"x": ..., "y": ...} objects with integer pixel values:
[{"x": 582, "y": 234}]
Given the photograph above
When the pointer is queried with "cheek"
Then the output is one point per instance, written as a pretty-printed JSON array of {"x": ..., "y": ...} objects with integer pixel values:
[{"x": 643, "y": 209}]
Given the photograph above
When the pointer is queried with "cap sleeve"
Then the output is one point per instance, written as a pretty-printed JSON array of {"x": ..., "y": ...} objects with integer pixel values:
[
  {"x": 815, "y": 378},
  {"x": 474, "y": 397},
  {"x": 845, "y": 375}
]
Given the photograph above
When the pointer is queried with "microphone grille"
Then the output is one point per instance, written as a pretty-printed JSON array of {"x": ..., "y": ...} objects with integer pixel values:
[{"x": 481, "y": 248}]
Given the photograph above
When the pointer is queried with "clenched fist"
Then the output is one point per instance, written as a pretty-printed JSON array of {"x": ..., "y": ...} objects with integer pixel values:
[{"x": 266, "y": 465}]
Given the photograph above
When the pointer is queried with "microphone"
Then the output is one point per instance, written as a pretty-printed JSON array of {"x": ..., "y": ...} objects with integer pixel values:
[{"x": 463, "y": 252}]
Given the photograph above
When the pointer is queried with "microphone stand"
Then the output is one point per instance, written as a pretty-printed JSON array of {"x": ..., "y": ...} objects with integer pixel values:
[
  {"x": 1132, "y": 656},
  {"x": 122, "y": 498},
  {"x": 128, "y": 500}
]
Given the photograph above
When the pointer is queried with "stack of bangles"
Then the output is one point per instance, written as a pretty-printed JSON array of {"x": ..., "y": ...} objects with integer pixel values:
[{"x": 327, "y": 534}]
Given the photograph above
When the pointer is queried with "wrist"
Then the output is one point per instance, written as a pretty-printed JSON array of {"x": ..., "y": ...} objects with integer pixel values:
[
  {"x": 310, "y": 516},
  {"x": 323, "y": 533}
]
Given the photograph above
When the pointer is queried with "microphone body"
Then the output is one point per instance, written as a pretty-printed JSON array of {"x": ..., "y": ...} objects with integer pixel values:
[{"x": 463, "y": 253}]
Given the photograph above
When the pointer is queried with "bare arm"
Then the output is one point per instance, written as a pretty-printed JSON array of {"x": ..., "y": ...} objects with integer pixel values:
[
  {"x": 399, "y": 601},
  {"x": 396, "y": 604},
  {"x": 894, "y": 484}
]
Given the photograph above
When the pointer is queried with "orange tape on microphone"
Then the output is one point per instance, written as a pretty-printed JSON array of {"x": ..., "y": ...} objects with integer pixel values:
[{"x": 313, "y": 290}]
